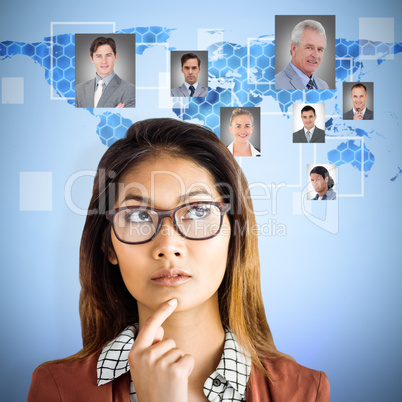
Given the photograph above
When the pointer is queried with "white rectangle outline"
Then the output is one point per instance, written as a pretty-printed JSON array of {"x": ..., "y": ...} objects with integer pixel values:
[
  {"x": 183, "y": 105},
  {"x": 315, "y": 162},
  {"x": 351, "y": 65},
  {"x": 52, "y": 97},
  {"x": 51, "y": 195},
  {"x": 3, "y": 80},
  {"x": 51, "y": 50},
  {"x": 390, "y": 56},
  {"x": 361, "y": 164},
  {"x": 166, "y": 45}
]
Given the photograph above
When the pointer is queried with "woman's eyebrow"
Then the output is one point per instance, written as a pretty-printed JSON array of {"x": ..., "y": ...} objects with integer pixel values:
[
  {"x": 181, "y": 199},
  {"x": 136, "y": 197},
  {"x": 193, "y": 193}
]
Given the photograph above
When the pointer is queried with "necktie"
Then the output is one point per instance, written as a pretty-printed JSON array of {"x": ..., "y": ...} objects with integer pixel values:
[
  {"x": 308, "y": 136},
  {"x": 192, "y": 90},
  {"x": 310, "y": 84},
  {"x": 98, "y": 93}
]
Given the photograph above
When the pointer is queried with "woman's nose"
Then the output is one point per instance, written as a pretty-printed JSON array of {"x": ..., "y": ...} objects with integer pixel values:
[{"x": 168, "y": 242}]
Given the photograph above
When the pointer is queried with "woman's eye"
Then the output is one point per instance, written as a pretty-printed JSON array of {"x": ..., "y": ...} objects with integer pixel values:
[
  {"x": 138, "y": 216},
  {"x": 198, "y": 212}
]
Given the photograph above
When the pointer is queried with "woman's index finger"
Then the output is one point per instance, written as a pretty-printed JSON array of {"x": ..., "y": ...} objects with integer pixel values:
[{"x": 148, "y": 332}]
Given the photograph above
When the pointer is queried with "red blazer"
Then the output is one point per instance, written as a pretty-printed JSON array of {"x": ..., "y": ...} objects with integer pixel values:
[{"x": 77, "y": 381}]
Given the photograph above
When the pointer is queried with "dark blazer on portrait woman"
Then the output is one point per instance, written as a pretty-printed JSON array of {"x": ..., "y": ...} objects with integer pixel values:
[{"x": 76, "y": 381}]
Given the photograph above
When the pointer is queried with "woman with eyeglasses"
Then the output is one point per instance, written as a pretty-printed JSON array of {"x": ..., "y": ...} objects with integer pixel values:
[{"x": 171, "y": 306}]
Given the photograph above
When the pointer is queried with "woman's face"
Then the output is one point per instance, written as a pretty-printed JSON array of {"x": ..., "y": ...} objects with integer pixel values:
[
  {"x": 242, "y": 128},
  {"x": 150, "y": 270}
]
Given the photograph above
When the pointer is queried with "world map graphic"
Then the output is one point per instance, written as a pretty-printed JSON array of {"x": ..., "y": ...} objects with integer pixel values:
[{"x": 237, "y": 74}]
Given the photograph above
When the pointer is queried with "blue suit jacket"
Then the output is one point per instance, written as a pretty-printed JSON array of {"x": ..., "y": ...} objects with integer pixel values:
[
  {"x": 288, "y": 79},
  {"x": 368, "y": 115},
  {"x": 117, "y": 91}
]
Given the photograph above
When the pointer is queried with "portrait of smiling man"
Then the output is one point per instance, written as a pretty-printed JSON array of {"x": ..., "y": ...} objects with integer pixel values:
[
  {"x": 311, "y": 46},
  {"x": 194, "y": 70},
  {"x": 107, "y": 89},
  {"x": 308, "y": 117},
  {"x": 358, "y": 101}
]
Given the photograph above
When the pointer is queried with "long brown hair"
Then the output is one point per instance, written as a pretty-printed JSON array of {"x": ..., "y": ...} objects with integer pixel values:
[{"x": 106, "y": 306}]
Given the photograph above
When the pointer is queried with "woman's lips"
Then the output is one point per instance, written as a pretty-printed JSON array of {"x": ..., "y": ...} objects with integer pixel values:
[{"x": 170, "y": 277}]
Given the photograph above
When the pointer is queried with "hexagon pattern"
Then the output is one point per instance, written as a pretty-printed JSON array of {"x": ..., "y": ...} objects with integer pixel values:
[
  {"x": 61, "y": 54},
  {"x": 351, "y": 152},
  {"x": 252, "y": 71},
  {"x": 112, "y": 127},
  {"x": 249, "y": 69}
]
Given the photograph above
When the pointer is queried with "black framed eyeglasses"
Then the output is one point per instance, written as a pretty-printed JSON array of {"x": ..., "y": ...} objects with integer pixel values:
[{"x": 200, "y": 220}]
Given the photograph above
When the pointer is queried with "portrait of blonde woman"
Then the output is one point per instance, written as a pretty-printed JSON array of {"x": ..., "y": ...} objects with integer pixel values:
[{"x": 243, "y": 130}]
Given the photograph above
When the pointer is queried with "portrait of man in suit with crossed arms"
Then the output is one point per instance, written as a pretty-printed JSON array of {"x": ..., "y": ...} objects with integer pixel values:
[{"x": 107, "y": 89}]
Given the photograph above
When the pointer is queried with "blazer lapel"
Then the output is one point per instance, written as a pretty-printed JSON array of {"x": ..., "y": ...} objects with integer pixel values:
[
  {"x": 198, "y": 91},
  {"x": 183, "y": 90},
  {"x": 257, "y": 387},
  {"x": 109, "y": 90},
  {"x": 89, "y": 93},
  {"x": 294, "y": 79},
  {"x": 302, "y": 136},
  {"x": 318, "y": 133},
  {"x": 314, "y": 138}
]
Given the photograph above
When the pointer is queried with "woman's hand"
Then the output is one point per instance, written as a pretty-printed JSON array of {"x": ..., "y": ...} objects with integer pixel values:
[{"x": 158, "y": 369}]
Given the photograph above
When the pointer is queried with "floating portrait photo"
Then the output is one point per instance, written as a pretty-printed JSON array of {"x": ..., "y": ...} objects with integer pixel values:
[
  {"x": 105, "y": 70},
  {"x": 321, "y": 182},
  {"x": 189, "y": 73},
  {"x": 305, "y": 52},
  {"x": 358, "y": 101},
  {"x": 240, "y": 129},
  {"x": 309, "y": 123}
]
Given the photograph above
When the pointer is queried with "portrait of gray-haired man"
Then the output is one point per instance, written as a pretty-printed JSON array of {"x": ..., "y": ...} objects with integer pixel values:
[{"x": 307, "y": 49}]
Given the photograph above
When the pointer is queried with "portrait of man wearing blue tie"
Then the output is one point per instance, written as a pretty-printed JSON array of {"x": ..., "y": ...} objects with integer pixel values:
[
  {"x": 307, "y": 49},
  {"x": 190, "y": 68},
  {"x": 107, "y": 89},
  {"x": 310, "y": 132}
]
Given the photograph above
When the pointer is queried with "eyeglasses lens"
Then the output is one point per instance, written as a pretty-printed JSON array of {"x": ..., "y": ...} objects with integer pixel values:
[{"x": 195, "y": 221}]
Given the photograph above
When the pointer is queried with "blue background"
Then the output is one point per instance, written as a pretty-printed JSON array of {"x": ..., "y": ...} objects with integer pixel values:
[{"x": 331, "y": 289}]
